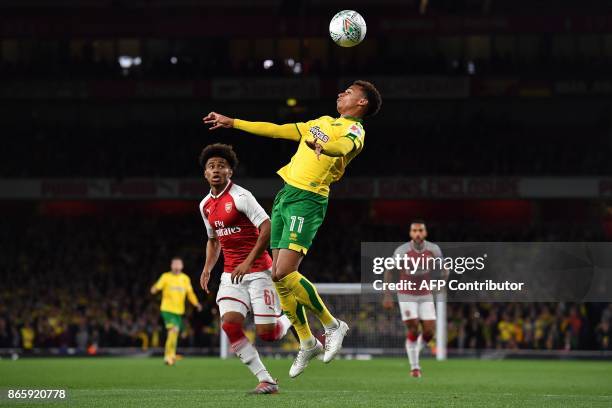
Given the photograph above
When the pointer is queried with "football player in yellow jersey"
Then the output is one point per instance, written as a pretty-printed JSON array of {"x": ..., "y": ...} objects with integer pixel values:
[
  {"x": 175, "y": 286},
  {"x": 325, "y": 147}
]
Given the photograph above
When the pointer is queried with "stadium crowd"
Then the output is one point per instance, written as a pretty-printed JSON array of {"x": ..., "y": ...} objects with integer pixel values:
[
  {"x": 82, "y": 283},
  {"x": 540, "y": 326}
]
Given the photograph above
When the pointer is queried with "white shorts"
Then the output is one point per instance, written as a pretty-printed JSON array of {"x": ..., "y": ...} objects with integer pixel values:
[
  {"x": 417, "y": 307},
  {"x": 256, "y": 294}
]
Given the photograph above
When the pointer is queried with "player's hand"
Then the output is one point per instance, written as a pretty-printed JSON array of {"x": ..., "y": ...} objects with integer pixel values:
[
  {"x": 316, "y": 146},
  {"x": 204, "y": 278},
  {"x": 199, "y": 307},
  {"x": 240, "y": 271},
  {"x": 388, "y": 302},
  {"x": 216, "y": 120}
]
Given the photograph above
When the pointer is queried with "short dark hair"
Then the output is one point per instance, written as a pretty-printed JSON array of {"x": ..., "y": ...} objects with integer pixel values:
[
  {"x": 176, "y": 258},
  {"x": 418, "y": 221},
  {"x": 219, "y": 150},
  {"x": 372, "y": 95}
]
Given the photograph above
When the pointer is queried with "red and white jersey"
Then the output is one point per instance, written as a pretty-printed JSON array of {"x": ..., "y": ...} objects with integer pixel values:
[
  {"x": 427, "y": 250},
  {"x": 234, "y": 217}
]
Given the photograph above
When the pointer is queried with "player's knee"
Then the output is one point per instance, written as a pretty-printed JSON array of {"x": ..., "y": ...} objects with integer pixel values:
[
  {"x": 267, "y": 335},
  {"x": 412, "y": 326},
  {"x": 428, "y": 334},
  {"x": 233, "y": 330}
]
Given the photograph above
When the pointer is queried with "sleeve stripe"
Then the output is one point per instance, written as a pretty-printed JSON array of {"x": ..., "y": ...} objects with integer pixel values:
[
  {"x": 298, "y": 129},
  {"x": 351, "y": 136}
]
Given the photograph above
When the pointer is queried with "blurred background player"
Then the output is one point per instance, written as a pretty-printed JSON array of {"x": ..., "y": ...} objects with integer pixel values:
[
  {"x": 416, "y": 306},
  {"x": 175, "y": 286},
  {"x": 238, "y": 225},
  {"x": 300, "y": 207}
]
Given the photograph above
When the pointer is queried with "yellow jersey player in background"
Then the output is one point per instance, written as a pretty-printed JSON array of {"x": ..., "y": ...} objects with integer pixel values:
[
  {"x": 175, "y": 287},
  {"x": 325, "y": 147}
]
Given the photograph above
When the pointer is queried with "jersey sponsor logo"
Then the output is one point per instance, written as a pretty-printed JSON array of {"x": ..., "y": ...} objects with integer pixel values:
[
  {"x": 223, "y": 232},
  {"x": 228, "y": 207},
  {"x": 317, "y": 133},
  {"x": 176, "y": 288}
]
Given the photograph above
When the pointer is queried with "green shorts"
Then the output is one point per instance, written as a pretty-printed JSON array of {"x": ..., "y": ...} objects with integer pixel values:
[
  {"x": 172, "y": 320},
  {"x": 296, "y": 216}
]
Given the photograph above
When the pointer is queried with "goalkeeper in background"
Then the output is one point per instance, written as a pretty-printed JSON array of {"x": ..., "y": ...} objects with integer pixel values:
[
  {"x": 325, "y": 148},
  {"x": 175, "y": 286}
]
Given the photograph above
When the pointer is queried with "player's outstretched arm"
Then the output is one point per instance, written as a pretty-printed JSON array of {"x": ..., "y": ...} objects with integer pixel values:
[{"x": 287, "y": 131}]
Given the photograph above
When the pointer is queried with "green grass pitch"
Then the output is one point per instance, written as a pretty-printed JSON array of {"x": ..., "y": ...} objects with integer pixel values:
[{"x": 202, "y": 382}]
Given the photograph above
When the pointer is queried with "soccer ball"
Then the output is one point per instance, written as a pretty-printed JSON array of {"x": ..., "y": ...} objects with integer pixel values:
[{"x": 347, "y": 28}]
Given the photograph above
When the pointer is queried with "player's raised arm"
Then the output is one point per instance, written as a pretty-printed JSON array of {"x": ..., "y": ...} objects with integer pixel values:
[
  {"x": 287, "y": 131},
  {"x": 213, "y": 249}
]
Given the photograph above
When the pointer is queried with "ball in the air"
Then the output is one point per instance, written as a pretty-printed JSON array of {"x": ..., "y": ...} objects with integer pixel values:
[{"x": 347, "y": 28}]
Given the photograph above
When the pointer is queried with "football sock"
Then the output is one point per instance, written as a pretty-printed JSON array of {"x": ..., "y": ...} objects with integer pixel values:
[
  {"x": 306, "y": 294},
  {"x": 412, "y": 349},
  {"x": 246, "y": 352},
  {"x": 171, "y": 342},
  {"x": 296, "y": 314},
  {"x": 281, "y": 327}
]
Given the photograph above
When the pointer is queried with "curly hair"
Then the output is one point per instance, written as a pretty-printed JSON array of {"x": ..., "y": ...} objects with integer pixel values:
[
  {"x": 219, "y": 150},
  {"x": 372, "y": 95}
]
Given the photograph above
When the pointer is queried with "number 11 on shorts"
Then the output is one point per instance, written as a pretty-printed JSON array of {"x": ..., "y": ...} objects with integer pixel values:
[{"x": 300, "y": 223}]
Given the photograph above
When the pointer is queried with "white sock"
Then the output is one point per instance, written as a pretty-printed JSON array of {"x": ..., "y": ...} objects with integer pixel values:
[
  {"x": 285, "y": 325},
  {"x": 413, "y": 349},
  {"x": 307, "y": 344},
  {"x": 247, "y": 353},
  {"x": 332, "y": 325}
]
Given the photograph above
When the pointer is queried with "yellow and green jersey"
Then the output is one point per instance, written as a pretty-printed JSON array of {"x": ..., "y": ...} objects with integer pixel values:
[
  {"x": 305, "y": 171},
  {"x": 175, "y": 287}
]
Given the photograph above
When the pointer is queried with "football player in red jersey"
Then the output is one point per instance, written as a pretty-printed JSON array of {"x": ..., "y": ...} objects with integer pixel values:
[
  {"x": 237, "y": 225},
  {"x": 416, "y": 306}
]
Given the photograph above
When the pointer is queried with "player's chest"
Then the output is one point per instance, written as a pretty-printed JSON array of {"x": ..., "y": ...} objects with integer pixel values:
[
  {"x": 222, "y": 213},
  {"x": 325, "y": 132},
  {"x": 177, "y": 286},
  {"x": 419, "y": 260}
]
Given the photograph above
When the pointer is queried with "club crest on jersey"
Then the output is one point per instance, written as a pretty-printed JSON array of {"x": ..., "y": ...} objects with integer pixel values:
[
  {"x": 355, "y": 130},
  {"x": 228, "y": 207},
  {"x": 317, "y": 133}
]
